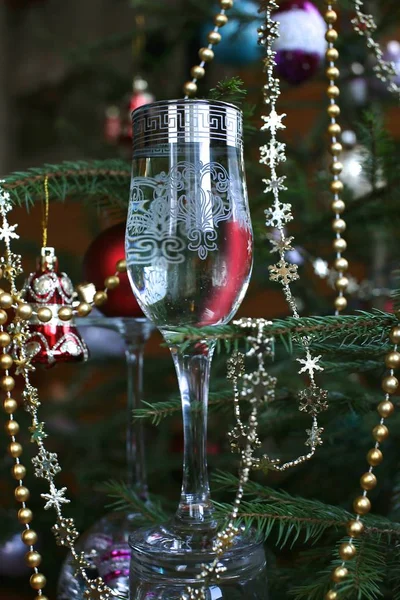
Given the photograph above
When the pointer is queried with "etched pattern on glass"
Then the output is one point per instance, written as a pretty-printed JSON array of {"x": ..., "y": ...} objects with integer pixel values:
[{"x": 165, "y": 220}]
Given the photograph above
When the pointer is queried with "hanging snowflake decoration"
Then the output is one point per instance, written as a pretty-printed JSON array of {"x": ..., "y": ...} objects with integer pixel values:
[
  {"x": 275, "y": 184},
  {"x": 235, "y": 366},
  {"x": 258, "y": 387},
  {"x": 65, "y": 532},
  {"x": 313, "y": 400},
  {"x": 281, "y": 245},
  {"x": 55, "y": 498},
  {"x": 46, "y": 464},
  {"x": 97, "y": 590},
  {"x": 273, "y": 122},
  {"x": 283, "y": 272},
  {"x": 278, "y": 215},
  {"x": 314, "y": 436},
  {"x": 310, "y": 365},
  {"x": 272, "y": 153}
]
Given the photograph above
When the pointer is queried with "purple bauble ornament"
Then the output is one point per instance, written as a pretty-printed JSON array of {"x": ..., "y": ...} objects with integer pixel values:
[
  {"x": 12, "y": 555},
  {"x": 301, "y": 46}
]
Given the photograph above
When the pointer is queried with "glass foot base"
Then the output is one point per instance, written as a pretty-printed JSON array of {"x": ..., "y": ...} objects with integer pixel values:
[{"x": 165, "y": 560}]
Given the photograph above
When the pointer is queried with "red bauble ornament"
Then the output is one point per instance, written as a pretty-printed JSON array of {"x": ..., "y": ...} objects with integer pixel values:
[
  {"x": 56, "y": 341},
  {"x": 100, "y": 262}
]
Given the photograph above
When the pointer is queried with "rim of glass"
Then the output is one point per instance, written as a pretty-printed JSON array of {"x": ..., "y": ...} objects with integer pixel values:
[{"x": 187, "y": 101}]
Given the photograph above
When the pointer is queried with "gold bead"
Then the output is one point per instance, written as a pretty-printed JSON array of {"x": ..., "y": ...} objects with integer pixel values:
[
  {"x": 331, "y": 595},
  {"x": 368, "y": 481},
  {"x": 220, "y": 20},
  {"x": 336, "y": 148},
  {"x": 340, "y": 303},
  {"x": 7, "y": 383},
  {"x": 385, "y": 409},
  {"x": 330, "y": 16},
  {"x": 362, "y": 505},
  {"x": 374, "y": 457},
  {"x": 6, "y": 300},
  {"x": 37, "y": 581},
  {"x": 25, "y": 516},
  {"x": 6, "y": 361},
  {"x": 21, "y": 493},
  {"x": 336, "y": 187},
  {"x": 333, "y": 91},
  {"x": 339, "y": 225},
  {"x": 334, "y": 129},
  {"x": 347, "y": 551},
  {"x": 226, "y": 4},
  {"x": 29, "y": 537},
  {"x": 15, "y": 449},
  {"x": 333, "y": 111},
  {"x": 338, "y": 206},
  {"x": 197, "y": 72},
  {"x": 33, "y": 559},
  {"x": 121, "y": 266},
  {"x": 331, "y": 36},
  {"x": 5, "y": 339},
  {"x": 332, "y": 73},
  {"x": 10, "y": 405},
  {"x": 18, "y": 471},
  {"x": 339, "y": 574},
  {"x": 24, "y": 311},
  {"x": 190, "y": 88},
  {"x": 12, "y": 428},
  {"x": 341, "y": 283},
  {"x": 100, "y": 298},
  {"x": 3, "y": 317},
  {"x": 390, "y": 384},
  {"x": 44, "y": 314},
  {"x": 392, "y": 360},
  {"x": 339, "y": 244},
  {"x": 84, "y": 309},
  {"x": 332, "y": 54},
  {"x": 341, "y": 264},
  {"x": 355, "y": 528},
  {"x": 65, "y": 313},
  {"x": 380, "y": 433},
  {"x": 336, "y": 168},
  {"x": 395, "y": 335},
  {"x": 206, "y": 54},
  {"x": 214, "y": 37},
  {"x": 112, "y": 282}
]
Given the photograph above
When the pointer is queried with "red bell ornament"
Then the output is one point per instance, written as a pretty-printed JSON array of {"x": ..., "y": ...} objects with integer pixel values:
[{"x": 52, "y": 339}]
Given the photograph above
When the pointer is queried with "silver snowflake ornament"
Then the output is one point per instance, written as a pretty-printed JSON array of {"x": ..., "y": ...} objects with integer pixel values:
[
  {"x": 7, "y": 232},
  {"x": 65, "y": 532},
  {"x": 278, "y": 215},
  {"x": 313, "y": 400},
  {"x": 258, "y": 387},
  {"x": 283, "y": 272},
  {"x": 272, "y": 153},
  {"x": 55, "y": 498},
  {"x": 97, "y": 590},
  {"x": 310, "y": 364},
  {"x": 281, "y": 245},
  {"x": 275, "y": 184},
  {"x": 46, "y": 464},
  {"x": 273, "y": 122},
  {"x": 314, "y": 436}
]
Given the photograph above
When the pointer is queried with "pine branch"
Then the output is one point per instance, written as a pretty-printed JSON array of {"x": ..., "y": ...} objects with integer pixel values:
[
  {"x": 108, "y": 179},
  {"x": 293, "y": 516},
  {"x": 367, "y": 328},
  {"x": 126, "y": 499}
]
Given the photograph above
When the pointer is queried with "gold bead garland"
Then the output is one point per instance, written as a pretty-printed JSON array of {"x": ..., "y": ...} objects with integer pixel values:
[
  {"x": 336, "y": 186},
  {"x": 368, "y": 481},
  {"x": 206, "y": 54},
  {"x": 29, "y": 537}
]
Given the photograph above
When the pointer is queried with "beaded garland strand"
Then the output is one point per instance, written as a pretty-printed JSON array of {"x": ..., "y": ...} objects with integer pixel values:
[
  {"x": 334, "y": 130},
  {"x": 206, "y": 54},
  {"x": 368, "y": 481}
]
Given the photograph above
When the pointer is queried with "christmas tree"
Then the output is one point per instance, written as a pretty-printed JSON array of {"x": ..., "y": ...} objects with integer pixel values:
[{"x": 307, "y": 514}]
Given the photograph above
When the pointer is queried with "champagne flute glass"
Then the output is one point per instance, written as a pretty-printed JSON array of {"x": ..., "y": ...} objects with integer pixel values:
[
  {"x": 105, "y": 544},
  {"x": 189, "y": 249}
]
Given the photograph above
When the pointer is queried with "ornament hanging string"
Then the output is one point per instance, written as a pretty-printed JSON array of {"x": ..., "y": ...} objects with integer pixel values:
[{"x": 45, "y": 210}]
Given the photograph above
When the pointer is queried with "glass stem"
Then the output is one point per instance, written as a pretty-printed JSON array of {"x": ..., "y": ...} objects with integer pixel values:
[
  {"x": 193, "y": 365},
  {"x": 135, "y": 452}
]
